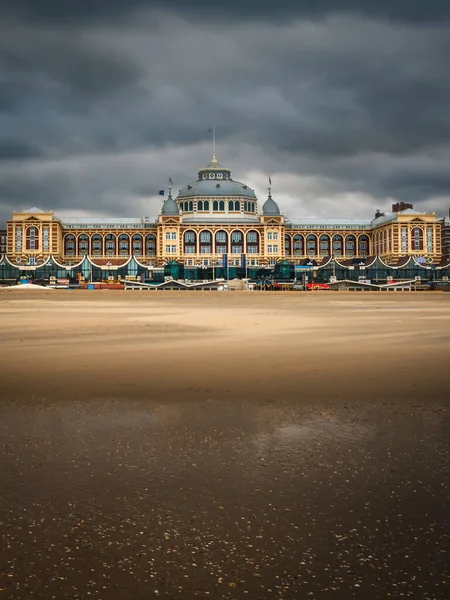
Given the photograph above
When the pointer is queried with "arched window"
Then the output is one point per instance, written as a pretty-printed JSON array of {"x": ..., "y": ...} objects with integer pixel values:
[
  {"x": 206, "y": 205},
  {"x": 237, "y": 242},
  {"x": 222, "y": 206},
  {"x": 205, "y": 242},
  {"x": 221, "y": 239},
  {"x": 311, "y": 245},
  {"x": 363, "y": 245},
  {"x": 324, "y": 245},
  {"x": 245, "y": 206},
  {"x": 97, "y": 244},
  {"x": 181, "y": 206},
  {"x": 32, "y": 239},
  {"x": 299, "y": 249},
  {"x": 252, "y": 242},
  {"x": 69, "y": 244},
  {"x": 417, "y": 238},
  {"x": 287, "y": 245},
  {"x": 230, "y": 206},
  {"x": 190, "y": 242},
  {"x": 83, "y": 244},
  {"x": 200, "y": 205},
  {"x": 191, "y": 206},
  {"x": 137, "y": 244},
  {"x": 237, "y": 206},
  {"x": 350, "y": 245},
  {"x": 150, "y": 245},
  {"x": 338, "y": 245},
  {"x": 215, "y": 205},
  {"x": 110, "y": 244},
  {"x": 124, "y": 244}
]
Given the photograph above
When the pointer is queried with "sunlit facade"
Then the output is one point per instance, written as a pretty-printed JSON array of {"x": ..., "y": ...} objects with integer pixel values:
[{"x": 217, "y": 222}]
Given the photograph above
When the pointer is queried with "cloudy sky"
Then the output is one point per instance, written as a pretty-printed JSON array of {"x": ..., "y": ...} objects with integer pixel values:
[{"x": 345, "y": 103}]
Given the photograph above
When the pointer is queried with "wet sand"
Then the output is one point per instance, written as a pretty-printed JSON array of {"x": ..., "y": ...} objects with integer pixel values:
[{"x": 224, "y": 445}]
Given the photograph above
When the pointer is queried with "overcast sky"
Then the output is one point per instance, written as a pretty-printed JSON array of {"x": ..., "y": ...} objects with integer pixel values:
[{"x": 344, "y": 103}]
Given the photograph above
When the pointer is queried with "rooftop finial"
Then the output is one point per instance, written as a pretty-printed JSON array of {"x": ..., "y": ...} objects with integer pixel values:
[
  {"x": 170, "y": 187},
  {"x": 270, "y": 187}
]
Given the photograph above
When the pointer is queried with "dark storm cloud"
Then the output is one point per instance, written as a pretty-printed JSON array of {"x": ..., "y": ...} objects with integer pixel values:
[
  {"x": 100, "y": 102},
  {"x": 87, "y": 10}
]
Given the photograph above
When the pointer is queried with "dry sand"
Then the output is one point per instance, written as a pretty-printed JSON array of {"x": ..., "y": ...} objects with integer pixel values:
[{"x": 265, "y": 345}]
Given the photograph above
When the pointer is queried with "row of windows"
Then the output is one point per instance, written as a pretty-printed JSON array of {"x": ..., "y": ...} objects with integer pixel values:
[
  {"x": 218, "y": 206},
  {"x": 324, "y": 245}
]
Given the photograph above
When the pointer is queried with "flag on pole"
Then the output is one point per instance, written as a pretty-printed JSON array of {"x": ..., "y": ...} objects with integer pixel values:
[
  {"x": 270, "y": 180},
  {"x": 161, "y": 192},
  {"x": 170, "y": 181},
  {"x": 209, "y": 130}
]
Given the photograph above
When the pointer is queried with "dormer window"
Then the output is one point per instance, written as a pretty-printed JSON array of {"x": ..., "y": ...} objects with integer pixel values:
[{"x": 219, "y": 175}]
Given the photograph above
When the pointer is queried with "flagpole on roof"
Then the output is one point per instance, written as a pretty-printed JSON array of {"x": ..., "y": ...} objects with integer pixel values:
[{"x": 213, "y": 130}]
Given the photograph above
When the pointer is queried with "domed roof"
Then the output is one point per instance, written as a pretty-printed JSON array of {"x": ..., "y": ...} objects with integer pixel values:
[
  {"x": 270, "y": 207},
  {"x": 215, "y": 180},
  {"x": 170, "y": 206},
  {"x": 207, "y": 187}
]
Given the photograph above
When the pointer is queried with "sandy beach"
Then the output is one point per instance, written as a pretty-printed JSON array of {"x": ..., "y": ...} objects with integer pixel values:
[
  {"x": 224, "y": 445},
  {"x": 230, "y": 345}
]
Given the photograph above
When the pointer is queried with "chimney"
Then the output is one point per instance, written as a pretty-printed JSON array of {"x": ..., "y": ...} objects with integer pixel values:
[{"x": 399, "y": 206}]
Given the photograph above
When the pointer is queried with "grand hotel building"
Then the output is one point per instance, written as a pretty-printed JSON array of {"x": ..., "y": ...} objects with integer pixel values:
[{"x": 214, "y": 222}]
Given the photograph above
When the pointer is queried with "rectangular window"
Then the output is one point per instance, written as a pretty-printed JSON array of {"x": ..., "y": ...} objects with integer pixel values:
[
  {"x": 174, "y": 235},
  {"x": 46, "y": 239},
  {"x": 252, "y": 249},
  {"x": 430, "y": 239},
  {"x": 269, "y": 235},
  {"x": 363, "y": 245},
  {"x": 174, "y": 249},
  {"x": 269, "y": 249},
  {"x": 167, "y": 235},
  {"x": 123, "y": 245},
  {"x": 236, "y": 249},
  {"x": 189, "y": 250},
  {"x": 205, "y": 236},
  {"x": 275, "y": 248},
  {"x": 275, "y": 235},
  {"x": 189, "y": 236},
  {"x": 205, "y": 249},
  {"x": 252, "y": 236},
  {"x": 167, "y": 249},
  {"x": 221, "y": 237},
  {"x": 18, "y": 239},
  {"x": 404, "y": 240},
  {"x": 221, "y": 249},
  {"x": 236, "y": 236}
]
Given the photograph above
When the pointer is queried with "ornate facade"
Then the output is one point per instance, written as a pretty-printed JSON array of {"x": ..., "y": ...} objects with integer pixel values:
[{"x": 217, "y": 222}]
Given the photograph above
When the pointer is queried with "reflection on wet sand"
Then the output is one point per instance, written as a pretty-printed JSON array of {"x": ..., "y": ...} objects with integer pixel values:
[{"x": 116, "y": 498}]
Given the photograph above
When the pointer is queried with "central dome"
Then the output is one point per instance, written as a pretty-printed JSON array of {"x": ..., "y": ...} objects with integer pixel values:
[{"x": 213, "y": 181}]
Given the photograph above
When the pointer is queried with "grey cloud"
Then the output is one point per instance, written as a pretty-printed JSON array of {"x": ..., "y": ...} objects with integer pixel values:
[
  {"x": 358, "y": 102},
  {"x": 88, "y": 10}
]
